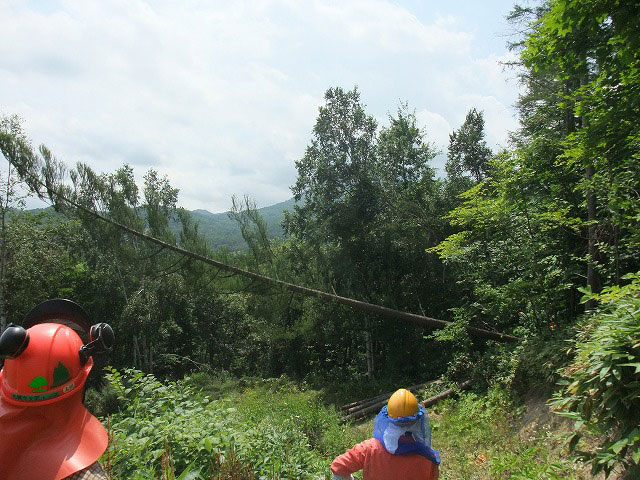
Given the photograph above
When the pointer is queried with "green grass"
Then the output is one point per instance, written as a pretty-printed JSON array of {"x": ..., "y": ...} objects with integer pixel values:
[{"x": 274, "y": 427}]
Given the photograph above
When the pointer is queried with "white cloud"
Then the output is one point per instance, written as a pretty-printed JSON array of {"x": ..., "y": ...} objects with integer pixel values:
[
  {"x": 437, "y": 130},
  {"x": 436, "y": 127},
  {"x": 222, "y": 96},
  {"x": 383, "y": 25}
]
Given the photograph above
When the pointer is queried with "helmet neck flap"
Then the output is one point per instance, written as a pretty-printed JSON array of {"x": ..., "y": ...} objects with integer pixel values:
[{"x": 49, "y": 442}]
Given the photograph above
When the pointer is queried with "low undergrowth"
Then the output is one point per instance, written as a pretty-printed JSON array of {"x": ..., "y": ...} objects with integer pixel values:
[
  {"x": 272, "y": 429},
  {"x": 600, "y": 388}
]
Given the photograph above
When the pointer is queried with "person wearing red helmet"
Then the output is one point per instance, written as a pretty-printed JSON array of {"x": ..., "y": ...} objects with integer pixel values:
[
  {"x": 46, "y": 433},
  {"x": 400, "y": 447}
]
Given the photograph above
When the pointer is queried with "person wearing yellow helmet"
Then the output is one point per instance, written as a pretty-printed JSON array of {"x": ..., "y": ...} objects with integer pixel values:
[
  {"x": 400, "y": 447},
  {"x": 46, "y": 433}
]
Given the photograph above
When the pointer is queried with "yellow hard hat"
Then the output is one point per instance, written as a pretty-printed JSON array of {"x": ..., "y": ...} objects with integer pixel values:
[{"x": 402, "y": 404}]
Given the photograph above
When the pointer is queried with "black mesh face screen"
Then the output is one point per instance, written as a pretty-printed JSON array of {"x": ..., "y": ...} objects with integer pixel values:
[{"x": 62, "y": 311}]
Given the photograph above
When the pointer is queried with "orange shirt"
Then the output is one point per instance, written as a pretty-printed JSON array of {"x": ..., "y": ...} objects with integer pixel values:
[{"x": 378, "y": 464}]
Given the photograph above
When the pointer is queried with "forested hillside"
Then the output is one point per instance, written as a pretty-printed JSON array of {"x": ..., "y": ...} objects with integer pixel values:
[
  {"x": 540, "y": 241},
  {"x": 219, "y": 230}
]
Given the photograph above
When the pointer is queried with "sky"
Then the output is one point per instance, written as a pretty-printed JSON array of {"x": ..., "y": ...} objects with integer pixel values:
[{"x": 221, "y": 96}]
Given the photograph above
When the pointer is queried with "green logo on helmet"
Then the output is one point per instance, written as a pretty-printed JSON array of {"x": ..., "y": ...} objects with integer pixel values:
[
  {"x": 39, "y": 384},
  {"x": 60, "y": 375}
]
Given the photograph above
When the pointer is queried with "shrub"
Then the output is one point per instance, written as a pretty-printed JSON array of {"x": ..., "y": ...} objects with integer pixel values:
[{"x": 601, "y": 387}]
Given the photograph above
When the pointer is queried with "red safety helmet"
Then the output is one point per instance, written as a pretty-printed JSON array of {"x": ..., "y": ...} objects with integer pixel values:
[
  {"x": 49, "y": 368},
  {"x": 49, "y": 360}
]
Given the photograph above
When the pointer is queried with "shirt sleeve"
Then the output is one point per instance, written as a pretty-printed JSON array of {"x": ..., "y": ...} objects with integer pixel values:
[
  {"x": 351, "y": 461},
  {"x": 93, "y": 472}
]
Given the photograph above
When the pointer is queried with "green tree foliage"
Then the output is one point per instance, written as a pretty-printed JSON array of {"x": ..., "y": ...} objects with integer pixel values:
[
  {"x": 46, "y": 260},
  {"x": 468, "y": 150},
  {"x": 10, "y": 200},
  {"x": 253, "y": 229},
  {"x": 592, "y": 48},
  {"x": 337, "y": 176},
  {"x": 370, "y": 207},
  {"x": 509, "y": 251},
  {"x": 572, "y": 184},
  {"x": 569, "y": 191},
  {"x": 170, "y": 315}
]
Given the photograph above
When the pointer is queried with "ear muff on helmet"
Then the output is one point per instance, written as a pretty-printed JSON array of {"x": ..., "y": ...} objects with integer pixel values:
[
  {"x": 101, "y": 339},
  {"x": 13, "y": 341}
]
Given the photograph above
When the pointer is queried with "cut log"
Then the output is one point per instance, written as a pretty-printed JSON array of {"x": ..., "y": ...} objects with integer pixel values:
[
  {"x": 446, "y": 394},
  {"x": 363, "y": 403},
  {"x": 364, "y": 411}
]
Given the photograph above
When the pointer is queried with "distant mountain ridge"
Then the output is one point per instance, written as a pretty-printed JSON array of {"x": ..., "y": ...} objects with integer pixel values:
[{"x": 220, "y": 231}]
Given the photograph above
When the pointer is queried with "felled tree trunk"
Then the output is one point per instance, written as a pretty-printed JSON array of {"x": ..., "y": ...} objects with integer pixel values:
[{"x": 446, "y": 394}]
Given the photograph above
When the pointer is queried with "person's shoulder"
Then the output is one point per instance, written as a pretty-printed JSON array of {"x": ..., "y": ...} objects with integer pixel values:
[
  {"x": 367, "y": 447},
  {"x": 372, "y": 444}
]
